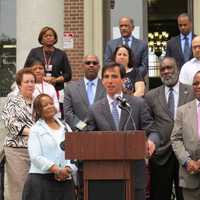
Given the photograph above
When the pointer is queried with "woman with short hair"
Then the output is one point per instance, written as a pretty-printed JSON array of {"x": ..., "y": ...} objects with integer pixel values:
[
  {"x": 17, "y": 116},
  {"x": 57, "y": 66}
]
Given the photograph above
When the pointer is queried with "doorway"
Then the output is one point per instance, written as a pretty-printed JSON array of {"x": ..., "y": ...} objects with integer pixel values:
[{"x": 162, "y": 25}]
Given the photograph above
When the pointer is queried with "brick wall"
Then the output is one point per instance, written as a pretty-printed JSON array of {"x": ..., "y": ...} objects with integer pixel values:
[{"x": 74, "y": 22}]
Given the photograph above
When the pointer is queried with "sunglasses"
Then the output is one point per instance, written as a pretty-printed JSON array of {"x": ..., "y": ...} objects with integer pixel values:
[{"x": 91, "y": 63}]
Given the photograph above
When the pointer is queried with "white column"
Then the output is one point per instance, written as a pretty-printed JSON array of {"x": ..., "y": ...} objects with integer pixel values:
[
  {"x": 93, "y": 28},
  {"x": 32, "y": 16},
  {"x": 197, "y": 17}
]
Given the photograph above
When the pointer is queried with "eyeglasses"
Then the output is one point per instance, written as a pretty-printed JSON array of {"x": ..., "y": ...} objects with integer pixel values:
[{"x": 91, "y": 63}]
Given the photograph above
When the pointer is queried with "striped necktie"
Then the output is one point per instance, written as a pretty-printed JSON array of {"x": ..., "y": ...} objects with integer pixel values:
[
  {"x": 170, "y": 102},
  {"x": 126, "y": 42},
  {"x": 115, "y": 114},
  {"x": 186, "y": 50}
]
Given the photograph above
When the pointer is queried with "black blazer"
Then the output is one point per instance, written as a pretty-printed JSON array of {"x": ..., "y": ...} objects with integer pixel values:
[{"x": 59, "y": 60}]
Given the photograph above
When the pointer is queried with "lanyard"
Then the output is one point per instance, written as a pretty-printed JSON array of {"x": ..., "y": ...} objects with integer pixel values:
[{"x": 47, "y": 62}]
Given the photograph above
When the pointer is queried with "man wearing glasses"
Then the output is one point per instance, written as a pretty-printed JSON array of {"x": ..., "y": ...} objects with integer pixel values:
[{"x": 81, "y": 94}]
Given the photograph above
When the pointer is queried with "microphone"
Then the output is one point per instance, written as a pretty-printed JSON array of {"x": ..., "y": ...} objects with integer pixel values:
[
  {"x": 130, "y": 117},
  {"x": 124, "y": 105},
  {"x": 123, "y": 102},
  {"x": 81, "y": 125}
]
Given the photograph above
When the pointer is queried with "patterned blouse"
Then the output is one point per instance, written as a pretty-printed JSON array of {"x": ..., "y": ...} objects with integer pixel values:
[{"x": 17, "y": 115}]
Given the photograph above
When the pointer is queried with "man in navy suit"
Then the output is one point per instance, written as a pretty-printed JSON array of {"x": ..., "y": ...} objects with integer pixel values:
[
  {"x": 139, "y": 47},
  {"x": 104, "y": 116},
  {"x": 176, "y": 45}
]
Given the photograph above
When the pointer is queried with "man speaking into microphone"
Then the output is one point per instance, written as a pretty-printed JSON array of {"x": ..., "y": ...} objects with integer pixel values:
[{"x": 113, "y": 113}]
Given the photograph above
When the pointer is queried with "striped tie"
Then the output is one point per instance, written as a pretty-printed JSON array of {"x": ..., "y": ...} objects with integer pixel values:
[
  {"x": 170, "y": 102},
  {"x": 126, "y": 42},
  {"x": 186, "y": 50},
  {"x": 115, "y": 114}
]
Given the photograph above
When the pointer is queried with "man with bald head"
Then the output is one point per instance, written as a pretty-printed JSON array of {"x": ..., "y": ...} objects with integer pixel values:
[
  {"x": 139, "y": 47},
  {"x": 192, "y": 66},
  {"x": 81, "y": 94},
  {"x": 186, "y": 143},
  {"x": 179, "y": 47}
]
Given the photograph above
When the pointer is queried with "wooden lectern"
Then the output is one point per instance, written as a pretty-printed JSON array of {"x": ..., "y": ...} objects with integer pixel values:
[{"x": 106, "y": 155}]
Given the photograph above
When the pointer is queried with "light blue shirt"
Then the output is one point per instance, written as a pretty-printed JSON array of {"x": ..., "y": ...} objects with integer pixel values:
[
  {"x": 129, "y": 41},
  {"x": 44, "y": 149},
  {"x": 189, "y": 36},
  {"x": 95, "y": 81}
]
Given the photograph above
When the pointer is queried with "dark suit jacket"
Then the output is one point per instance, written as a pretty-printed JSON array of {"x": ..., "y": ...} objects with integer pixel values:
[
  {"x": 76, "y": 103},
  {"x": 139, "y": 48},
  {"x": 100, "y": 119},
  {"x": 163, "y": 123},
  {"x": 174, "y": 50},
  {"x": 59, "y": 60}
]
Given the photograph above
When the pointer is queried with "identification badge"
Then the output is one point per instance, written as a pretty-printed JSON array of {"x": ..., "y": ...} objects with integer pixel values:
[{"x": 48, "y": 68}]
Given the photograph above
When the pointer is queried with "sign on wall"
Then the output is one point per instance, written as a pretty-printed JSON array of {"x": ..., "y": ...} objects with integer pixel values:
[{"x": 68, "y": 40}]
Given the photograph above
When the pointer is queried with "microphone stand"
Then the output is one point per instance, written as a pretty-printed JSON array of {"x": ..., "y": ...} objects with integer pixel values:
[{"x": 129, "y": 117}]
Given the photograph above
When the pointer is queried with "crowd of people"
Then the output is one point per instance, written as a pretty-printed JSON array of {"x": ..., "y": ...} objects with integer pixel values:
[{"x": 38, "y": 113}]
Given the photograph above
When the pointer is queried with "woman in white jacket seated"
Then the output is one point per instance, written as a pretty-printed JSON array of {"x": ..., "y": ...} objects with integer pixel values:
[{"x": 50, "y": 175}]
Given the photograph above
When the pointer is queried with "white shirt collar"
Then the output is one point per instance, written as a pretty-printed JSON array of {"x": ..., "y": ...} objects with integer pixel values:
[
  {"x": 129, "y": 38},
  {"x": 111, "y": 99},
  {"x": 94, "y": 81},
  {"x": 189, "y": 35},
  {"x": 194, "y": 60},
  {"x": 197, "y": 103},
  {"x": 175, "y": 88}
]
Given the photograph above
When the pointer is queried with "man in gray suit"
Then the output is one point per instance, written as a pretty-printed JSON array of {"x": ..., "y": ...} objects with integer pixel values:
[
  {"x": 79, "y": 97},
  {"x": 186, "y": 143},
  {"x": 76, "y": 99},
  {"x": 139, "y": 47},
  {"x": 176, "y": 45},
  {"x": 163, "y": 102},
  {"x": 106, "y": 115}
]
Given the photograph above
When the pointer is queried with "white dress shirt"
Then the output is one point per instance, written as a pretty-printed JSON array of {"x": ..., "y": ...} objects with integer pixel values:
[
  {"x": 110, "y": 100},
  {"x": 188, "y": 71}
]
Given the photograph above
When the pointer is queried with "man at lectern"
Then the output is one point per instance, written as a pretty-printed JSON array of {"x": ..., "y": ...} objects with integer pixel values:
[{"x": 118, "y": 111}]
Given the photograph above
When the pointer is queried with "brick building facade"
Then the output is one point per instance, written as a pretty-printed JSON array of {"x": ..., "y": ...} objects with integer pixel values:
[{"x": 74, "y": 22}]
